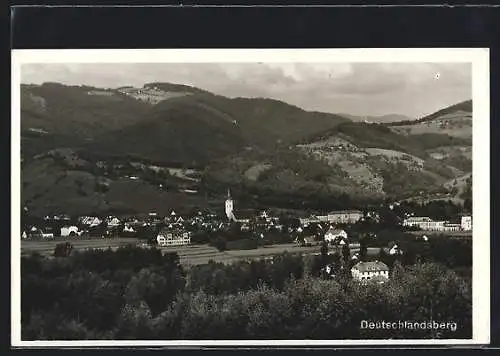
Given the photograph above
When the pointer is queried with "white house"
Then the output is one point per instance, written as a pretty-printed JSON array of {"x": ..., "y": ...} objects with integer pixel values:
[
  {"x": 466, "y": 223},
  {"x": 365, "y": 271},
  {"x": 128, "y": 228},
  {"x": 173, "y": 238},
  {"x": 70, "y": 231},
  {"x": 113, "y": 221},
  {"x": 90, "y": 221},
  {"x": 345, "y": 216},
  {"x": 24, "y": 235},
  {"x": 47, "y": 235},
  {"x": 395, "y": 250},
  {"x": 336, "y": 236}
]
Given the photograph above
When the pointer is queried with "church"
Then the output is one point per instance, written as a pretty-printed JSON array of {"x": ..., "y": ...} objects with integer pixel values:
[{"x": 229, "y": 205}]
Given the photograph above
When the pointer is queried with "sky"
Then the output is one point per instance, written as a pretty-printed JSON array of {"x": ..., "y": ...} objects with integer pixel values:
[{"x": 365, "y": 89}]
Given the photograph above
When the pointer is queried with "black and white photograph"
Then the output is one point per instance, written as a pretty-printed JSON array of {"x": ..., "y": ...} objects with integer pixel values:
[{"x": 250, "y": 197}]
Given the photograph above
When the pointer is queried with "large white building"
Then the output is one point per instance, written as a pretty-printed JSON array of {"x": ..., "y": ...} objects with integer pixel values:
[
  {"x": 424, "y": 223},
  {"x": 427, "y": 224},
  {"x": 173, "y": 238},
  {"x": 372, "y": 270},
  {"x": 345, "y": 216}
]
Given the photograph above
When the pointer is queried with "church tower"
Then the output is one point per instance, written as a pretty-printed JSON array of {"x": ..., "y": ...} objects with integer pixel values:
[{"x": 229, "y": 206}]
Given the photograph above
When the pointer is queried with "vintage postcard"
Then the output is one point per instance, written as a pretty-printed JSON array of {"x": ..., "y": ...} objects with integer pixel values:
[{"x": 247, "y": 197}]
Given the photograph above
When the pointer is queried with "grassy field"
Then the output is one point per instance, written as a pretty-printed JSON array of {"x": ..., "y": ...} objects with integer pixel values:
[
  {"x": 452, "y": 234},
  {"x": 47, "y": 247},
  {"x": 189, "y": 255}
]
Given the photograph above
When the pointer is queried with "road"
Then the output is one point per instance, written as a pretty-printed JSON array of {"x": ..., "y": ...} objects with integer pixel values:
[{"x": 188, "y": 255}]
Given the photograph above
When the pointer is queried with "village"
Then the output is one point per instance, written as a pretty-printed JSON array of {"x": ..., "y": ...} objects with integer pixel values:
[{"x": 176, "y": 230}]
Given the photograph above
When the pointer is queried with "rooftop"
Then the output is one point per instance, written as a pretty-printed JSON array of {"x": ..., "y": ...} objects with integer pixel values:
[
  {"x": 371, "y": 266},
  {"x": 345, "y": 212}
]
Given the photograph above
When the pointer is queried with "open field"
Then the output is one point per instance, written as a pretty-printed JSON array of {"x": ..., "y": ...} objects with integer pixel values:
[
  {"x": 47, "y": 247},
  {"x": 189, "y": 255}
]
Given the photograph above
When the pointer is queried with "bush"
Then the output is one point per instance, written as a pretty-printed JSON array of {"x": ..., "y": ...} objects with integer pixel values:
[
  {"x": 243, "y": 244},
  {"x": 219, "y": 243},
  {"x": 63, "y": 250}
]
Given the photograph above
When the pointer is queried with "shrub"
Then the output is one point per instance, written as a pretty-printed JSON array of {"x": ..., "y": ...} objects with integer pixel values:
[{"x": 63, "y": 250}]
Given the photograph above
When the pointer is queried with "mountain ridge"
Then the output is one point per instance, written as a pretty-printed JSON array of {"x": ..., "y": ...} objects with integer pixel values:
[{"x": 267, "y": 151}]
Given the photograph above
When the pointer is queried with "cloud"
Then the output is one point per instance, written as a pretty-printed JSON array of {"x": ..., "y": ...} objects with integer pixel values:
[{"x": 356, "y": 88}]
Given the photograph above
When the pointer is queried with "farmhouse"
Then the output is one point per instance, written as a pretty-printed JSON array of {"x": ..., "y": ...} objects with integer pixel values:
[
  {"x": 335, "y": 236},
  {"x": 173, "y": 238},
  {"x": 364, "y": 271}
]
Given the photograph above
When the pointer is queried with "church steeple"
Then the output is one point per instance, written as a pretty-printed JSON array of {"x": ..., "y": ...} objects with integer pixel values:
[{"x": 228, "y": 194}]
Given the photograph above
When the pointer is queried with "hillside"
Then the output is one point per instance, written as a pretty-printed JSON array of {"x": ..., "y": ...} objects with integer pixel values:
[
  {"x": 61, "y": 181},
  {"x": 463, "y": 107},
  {"x": 76, "y": 110},
  {"x": 55, "y": 115},
  {"x": 195, "y": 129},
  {"x": 128, "y": 149}
]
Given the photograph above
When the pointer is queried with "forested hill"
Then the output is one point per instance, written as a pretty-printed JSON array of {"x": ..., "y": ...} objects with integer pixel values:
[{"x": 74, "y": 138}]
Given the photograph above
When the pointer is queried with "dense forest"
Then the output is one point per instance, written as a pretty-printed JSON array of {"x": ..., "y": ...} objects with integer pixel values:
[{"x": 134, "y": 293}]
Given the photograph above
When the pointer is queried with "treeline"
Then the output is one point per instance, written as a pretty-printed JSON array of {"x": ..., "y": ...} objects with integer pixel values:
[{"x": 136, "y": 293}]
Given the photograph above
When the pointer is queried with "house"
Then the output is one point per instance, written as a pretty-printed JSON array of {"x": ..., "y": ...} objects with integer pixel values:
[
  {"x": 173, "y": 237},
  {"x": 395, "y": 250},
  {"x": 112, "y": 221},
  {"x": 424, "y": 223},
  {"x": 466, "y": 223},
  {"x": 345, "y": 216},
  {"x": 47, "y": 235},
  {"x": 423, "y": 238},
  {"x": 24, "y": 235},
  {"x": 307, "y": 221},
  {"x": 306, "y": 241},
  {"x": 334, "y": 236},
  {"x": 70, "y": 231},
  {"x": 365, "y": 271},
  {"x": 129, "y": 229},
  {"x": 90, "y": 221},
  {"x": 449, "y": 227}
]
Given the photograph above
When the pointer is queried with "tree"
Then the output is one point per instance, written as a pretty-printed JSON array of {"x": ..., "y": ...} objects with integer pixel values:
[
  {"x": 363, "y": 249},
  {"x": 63, "y": 249},
  {"x": 398, "y": 271},
  {"x": 346, "y": 254},
  {"x": 324, "y": 249}
]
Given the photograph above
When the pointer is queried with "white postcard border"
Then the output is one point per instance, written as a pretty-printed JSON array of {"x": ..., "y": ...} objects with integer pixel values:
[{"x": 479, "y": 57}]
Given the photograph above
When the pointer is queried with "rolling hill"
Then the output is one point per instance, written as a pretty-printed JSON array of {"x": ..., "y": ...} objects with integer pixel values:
[
  {"x": 365, "y": 161},
  {"x": 99, "y": 150},
  {"x": 196, "y": 129}
]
